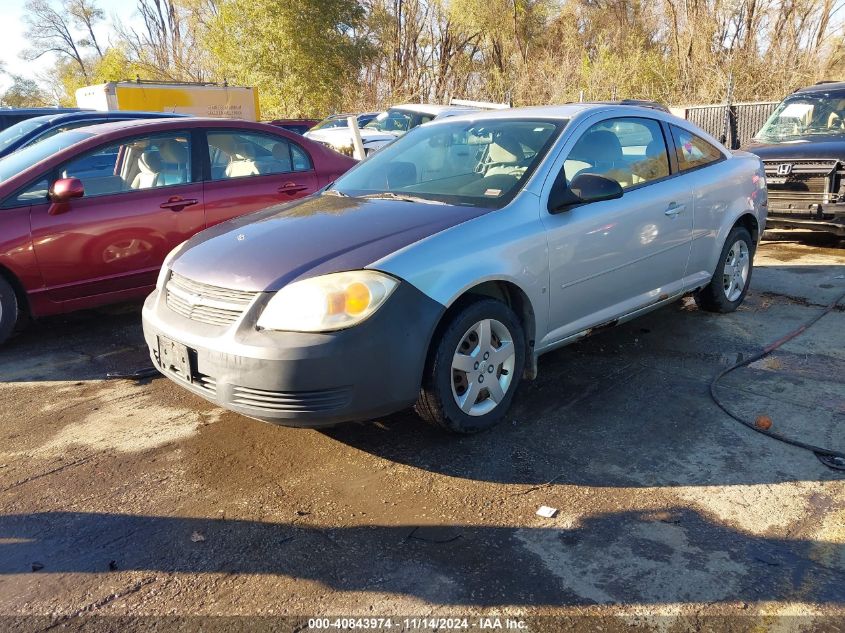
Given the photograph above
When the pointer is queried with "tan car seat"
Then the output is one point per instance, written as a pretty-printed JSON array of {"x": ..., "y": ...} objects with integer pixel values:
[
  {"x": 506, "y": 157},
  {"x": 149, "y": 168},
  {"x": 602, "y": 150},
  {"x": 242, "y": 163}
]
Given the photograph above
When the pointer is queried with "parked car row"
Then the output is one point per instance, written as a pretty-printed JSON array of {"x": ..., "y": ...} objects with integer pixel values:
[{"x": 289, "y": 283}]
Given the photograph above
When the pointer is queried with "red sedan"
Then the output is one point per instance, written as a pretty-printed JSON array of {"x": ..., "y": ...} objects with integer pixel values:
[{"x": 88, "y": 216}]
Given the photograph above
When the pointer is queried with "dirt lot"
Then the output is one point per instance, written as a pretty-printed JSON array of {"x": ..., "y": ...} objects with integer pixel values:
[{"x": 120, "y": 498}]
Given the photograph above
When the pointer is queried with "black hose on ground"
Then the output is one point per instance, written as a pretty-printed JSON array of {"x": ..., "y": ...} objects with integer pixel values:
[{"x": 828, "y": 457}]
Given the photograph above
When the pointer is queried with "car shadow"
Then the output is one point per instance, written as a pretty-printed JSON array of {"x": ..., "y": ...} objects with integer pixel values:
[
  {"x": 83, "y": 345},
  {"x": 630, "y": 407},
  {"x": 667, "y": 556}
]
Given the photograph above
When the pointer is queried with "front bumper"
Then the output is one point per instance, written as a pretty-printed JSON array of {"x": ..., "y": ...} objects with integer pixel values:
[
  {"x": 829, "y": 218},
  {"x": 303, "y": 379}
]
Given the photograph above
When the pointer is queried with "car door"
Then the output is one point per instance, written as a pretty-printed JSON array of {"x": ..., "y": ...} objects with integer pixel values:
[
  {"x": 609, "y": 258},
  {"x": 251, "y": 170},
  {"x": 142, "y": 198}
]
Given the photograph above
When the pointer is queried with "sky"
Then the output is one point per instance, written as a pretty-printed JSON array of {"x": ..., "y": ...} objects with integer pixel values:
[{"x": 14, "y": 40}]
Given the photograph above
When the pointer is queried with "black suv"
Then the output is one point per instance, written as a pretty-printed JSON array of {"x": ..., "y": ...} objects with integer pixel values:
[{"x": 802, "y": 145}]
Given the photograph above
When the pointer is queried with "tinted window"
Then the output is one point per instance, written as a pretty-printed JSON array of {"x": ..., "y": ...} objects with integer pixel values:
[
  {"x": 693, "y": 151},
  {"x": 139, "y": 163},
  {"x": 629, "y": 150},
  {"x": 239, "y": 154}
]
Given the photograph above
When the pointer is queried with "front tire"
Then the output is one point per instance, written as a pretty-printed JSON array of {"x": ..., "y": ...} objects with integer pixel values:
[
  {"x": 473, "y": 369},
  {"x": 730, "y": 282},
  {"x": 9, "y": 311}
]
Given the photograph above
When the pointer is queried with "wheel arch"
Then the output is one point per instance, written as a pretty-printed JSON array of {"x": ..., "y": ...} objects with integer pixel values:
[
  {"x": 508, "y": 293},
  {"x": 749, "y": 221},
  {"x": 20, "y": 293}
]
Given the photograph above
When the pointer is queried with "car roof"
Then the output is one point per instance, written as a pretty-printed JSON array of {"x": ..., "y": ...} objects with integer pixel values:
[
  {"x": 431, "y": 108},
  {"x": 65, "y": 117},
  {"x": 174, "y": 122},
  {"x": 556, "y": 112},
  {"x": 824, "y": 86}
]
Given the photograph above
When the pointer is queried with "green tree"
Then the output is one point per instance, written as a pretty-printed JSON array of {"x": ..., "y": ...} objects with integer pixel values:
[
  {"x": 301, "y": 56},
  {"x": 24, "y": 93}
]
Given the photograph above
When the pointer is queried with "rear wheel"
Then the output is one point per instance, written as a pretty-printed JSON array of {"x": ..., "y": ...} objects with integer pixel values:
[
  {"x": 730, "y": 282},
  {"x": 8, "y": 309},
  {"x": 474, "y": 368}
]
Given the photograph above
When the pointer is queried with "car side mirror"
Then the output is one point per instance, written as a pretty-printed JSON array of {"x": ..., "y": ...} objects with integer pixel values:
[
  {"x": 66, "y": 189},
  {"x": 584, "y": 188}
]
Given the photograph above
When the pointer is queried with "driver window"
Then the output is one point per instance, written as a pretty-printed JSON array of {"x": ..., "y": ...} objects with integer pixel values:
[
  {"x": 629, "y": 150},
  {"x": 140, "y": 163}
]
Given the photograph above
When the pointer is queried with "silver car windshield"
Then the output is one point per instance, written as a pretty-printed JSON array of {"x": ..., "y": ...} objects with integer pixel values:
[
  {"x": 477, "y": 163},
  {"x": 805, "y": 115},
  {"x": 16, "y": 162}
]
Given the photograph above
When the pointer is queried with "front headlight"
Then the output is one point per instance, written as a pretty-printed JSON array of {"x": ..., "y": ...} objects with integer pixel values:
[
  {"x": 162, "y": 274},
  {"x": 331, "y": 302}
]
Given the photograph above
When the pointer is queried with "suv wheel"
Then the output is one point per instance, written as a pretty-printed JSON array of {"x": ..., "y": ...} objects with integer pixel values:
[
  {"x": 474, "y": 369},
  {"x": 730, "y": 282},
  {"x": 8, "y": 309}
]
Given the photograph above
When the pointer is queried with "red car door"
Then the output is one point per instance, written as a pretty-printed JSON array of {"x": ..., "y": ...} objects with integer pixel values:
[
  {"x": 140, "y": 201},
  {"x": 252, "y": 170}
]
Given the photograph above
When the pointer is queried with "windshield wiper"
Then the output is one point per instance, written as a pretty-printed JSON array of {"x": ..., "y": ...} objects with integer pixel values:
[
  {"x": 335, "y": 192},
  {"x": 389, "y": 195}
]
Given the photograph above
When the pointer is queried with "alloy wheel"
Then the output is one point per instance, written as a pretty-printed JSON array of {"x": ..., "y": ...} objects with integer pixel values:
[{"x": 736, "y": 268}]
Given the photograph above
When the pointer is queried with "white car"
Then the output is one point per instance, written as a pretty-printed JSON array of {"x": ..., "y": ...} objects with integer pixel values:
[{"x": 386, "y": 127}]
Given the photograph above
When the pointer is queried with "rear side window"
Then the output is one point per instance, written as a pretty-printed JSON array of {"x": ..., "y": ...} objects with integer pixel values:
[
  {"x": 693, "y": 151},
  {"x": 239, "y": 154}
]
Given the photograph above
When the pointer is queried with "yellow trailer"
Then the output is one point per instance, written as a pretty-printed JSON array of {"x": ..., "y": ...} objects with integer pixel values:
[{"x": 213, "y": 100}]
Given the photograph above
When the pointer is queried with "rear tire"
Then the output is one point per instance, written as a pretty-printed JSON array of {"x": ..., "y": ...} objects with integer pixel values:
[
  {"x": 473, "y": 370},
  {"x": 9, "y": 311},
  {"x": 730, "y": 282}
]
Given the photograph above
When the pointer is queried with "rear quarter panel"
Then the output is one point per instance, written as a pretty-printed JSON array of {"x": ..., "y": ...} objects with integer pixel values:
[{"x": 722, "y": 194}]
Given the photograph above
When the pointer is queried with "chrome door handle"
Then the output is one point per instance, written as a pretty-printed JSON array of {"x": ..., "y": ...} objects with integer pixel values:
[{"x": 674, "y": 209}]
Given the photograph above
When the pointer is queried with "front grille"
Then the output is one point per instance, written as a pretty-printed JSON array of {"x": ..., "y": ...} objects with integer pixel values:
[
  {"x": 809, "y": 184},
  {"x": 205, "y": 303},
  {"x": 297, "y": 401}
]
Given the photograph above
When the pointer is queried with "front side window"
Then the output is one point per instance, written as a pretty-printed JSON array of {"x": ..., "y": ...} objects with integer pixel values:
[
  {"x": 475, "y": 163},
  {"x": 629, "y": 150},
  {"x": 130, "y": 165},
  {"x": 239, "y": 154},
  {"x": 693, "y": 151}
]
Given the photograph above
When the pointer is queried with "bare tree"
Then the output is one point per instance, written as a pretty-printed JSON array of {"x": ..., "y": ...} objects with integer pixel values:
[{"x": 49, "y": 31}]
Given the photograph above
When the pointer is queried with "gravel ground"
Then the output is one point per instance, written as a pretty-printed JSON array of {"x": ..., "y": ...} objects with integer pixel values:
[{"x": 120, "y": 498}]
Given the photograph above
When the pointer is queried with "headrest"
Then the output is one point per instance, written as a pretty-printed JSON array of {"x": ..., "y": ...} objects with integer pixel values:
[
  {"x": 245, "y": 151},
  {"x": 173, "y": 152},
  {"x": 281, "y": 151},
  {"x": 506, "y": 149},
  {"x": 150, "y": 162},
  {"x": 224, "y": 142},
  {"x": 598, "y": 146}
]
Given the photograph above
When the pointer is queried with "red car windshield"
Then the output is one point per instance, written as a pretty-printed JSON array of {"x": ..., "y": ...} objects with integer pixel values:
[{"x": 15, "y": 163}]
